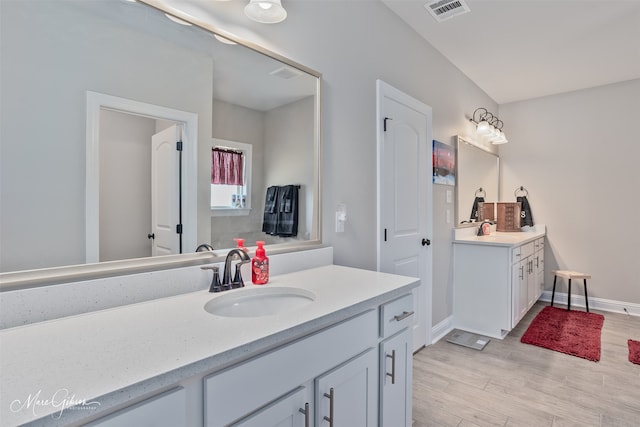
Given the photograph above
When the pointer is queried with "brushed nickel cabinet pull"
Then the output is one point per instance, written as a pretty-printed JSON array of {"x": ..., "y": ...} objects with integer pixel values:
[
  {"x": 403, "y": 316},
  {"x": 393, "y": 366},
  {"x": 305, "y": 411},
  {"x": 330, "y": 397}
]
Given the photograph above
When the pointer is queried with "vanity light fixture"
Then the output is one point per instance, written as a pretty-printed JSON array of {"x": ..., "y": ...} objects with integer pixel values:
[
  {"x": 488, "y": 125},
  {"x": 265, "y": 11}
]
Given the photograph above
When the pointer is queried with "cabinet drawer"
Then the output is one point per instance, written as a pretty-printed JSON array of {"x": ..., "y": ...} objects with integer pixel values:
[
  {"x": 527, "y": 249},
  {"x": 539, "y": 244},
  {"x": 396, "y": 315}
]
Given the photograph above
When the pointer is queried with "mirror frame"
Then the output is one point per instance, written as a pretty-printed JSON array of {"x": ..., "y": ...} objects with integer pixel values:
[
  {"x": 15, "y": 280},
  {"x": 459, "y": 142}
]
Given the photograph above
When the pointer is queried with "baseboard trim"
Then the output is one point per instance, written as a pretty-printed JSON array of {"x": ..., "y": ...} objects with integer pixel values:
[
  {"x": 441, "y": 329},
  {"x": 613, "y": 306}
]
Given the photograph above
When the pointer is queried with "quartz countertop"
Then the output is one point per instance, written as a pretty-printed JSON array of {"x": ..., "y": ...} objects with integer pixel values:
[
  {"x": 498, "y": 238},
  {"x": 115, "y": 355}
]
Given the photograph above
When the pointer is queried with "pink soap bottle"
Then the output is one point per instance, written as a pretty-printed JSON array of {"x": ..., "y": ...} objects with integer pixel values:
[{"x": 260, "y": 266}]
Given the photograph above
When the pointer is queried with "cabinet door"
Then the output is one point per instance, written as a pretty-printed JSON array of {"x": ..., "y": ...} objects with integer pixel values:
[
  {"x": 532, "y": 282},
  {"x": 347, "y": 396},
  {"x": 539, "y": 272},
  {"x": 292, "y": 410},
  {"x": 519, "y": 288},
  {"x": 396, "y": 364},
  {"x": 517, "y": 277}
]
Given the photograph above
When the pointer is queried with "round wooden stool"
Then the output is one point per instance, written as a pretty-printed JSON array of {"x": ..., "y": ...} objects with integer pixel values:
[{"x": 566, "y": 274}]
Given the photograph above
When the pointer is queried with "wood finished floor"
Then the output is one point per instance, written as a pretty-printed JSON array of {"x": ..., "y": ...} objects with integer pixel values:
[{"x": 515, "y": 384}]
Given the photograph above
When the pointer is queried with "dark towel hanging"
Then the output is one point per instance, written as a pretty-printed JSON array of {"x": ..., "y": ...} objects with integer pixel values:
[
  {"x": 474, "y": 208},
  {"x": 281, "y": 211},
  {"x": 270, "y": 217},
  {"x": 287, "y": 211},
  {"x": 526, "y": 218}
]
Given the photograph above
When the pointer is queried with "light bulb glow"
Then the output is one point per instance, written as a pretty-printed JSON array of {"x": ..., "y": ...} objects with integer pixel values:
[
  {"x": 483, "y": 128},
  {"x": 265, "y": 11}
]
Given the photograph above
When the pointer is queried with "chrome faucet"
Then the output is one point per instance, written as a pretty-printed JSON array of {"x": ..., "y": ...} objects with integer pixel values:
[
  {"x": 204, "y": 247},
  {"x": 236, "y": 282}
]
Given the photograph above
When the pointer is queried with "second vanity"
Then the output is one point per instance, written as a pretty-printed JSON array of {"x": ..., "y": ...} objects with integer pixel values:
[
  {"x": 343, "y": 359},
  {"x": 497, "y": 278}
]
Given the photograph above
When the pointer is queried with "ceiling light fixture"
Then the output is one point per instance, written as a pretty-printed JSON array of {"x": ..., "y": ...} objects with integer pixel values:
[
  {"x": 265, "y": 11},
  {"x": 488, "y": 125},
  {"x": 178, "y": 20}
]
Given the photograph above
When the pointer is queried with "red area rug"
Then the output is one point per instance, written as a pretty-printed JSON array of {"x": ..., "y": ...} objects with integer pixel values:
[
  {"x": 572, "y": 332},
  {"x": 634, "y": 351}
]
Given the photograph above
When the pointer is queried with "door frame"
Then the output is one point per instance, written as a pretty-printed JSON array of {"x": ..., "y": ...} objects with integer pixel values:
[
  {"x": 383, "y": 90},
  {"x": 96, "y": 101}
]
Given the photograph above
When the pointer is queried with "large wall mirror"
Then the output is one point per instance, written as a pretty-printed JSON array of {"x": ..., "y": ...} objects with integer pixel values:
[
  {"x": 87, "y": 86},
  {"x": 477, "y": 168}
]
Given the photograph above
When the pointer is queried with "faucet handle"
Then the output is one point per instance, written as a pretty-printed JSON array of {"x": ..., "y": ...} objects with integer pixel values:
[
  {"x": 237, "y": 278},
  {"x": 215, "y": 281}
]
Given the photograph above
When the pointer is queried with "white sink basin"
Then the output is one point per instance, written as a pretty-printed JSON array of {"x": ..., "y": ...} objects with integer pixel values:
[{"x": 258, "y": 302}]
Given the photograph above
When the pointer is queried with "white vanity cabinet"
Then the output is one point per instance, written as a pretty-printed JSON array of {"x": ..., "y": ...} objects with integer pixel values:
[
  {"x": 299, "y": 368},
  {"x": 497, "y": 278},
  {"x": 340, "y": 358}
]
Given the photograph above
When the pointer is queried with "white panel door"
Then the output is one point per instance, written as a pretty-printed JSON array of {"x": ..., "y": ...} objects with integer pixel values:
[
  {"x": 405, "y": 197},
  {"x": 396, "y": 360},
  {"x": 165, "y": 192},
  {"x": 349, "y": 393}
]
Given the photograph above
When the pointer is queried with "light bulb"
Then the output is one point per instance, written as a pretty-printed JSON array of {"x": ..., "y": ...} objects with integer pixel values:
[
  {"x": 265, "y": 11},
  {"x": 483, "y": 128}
]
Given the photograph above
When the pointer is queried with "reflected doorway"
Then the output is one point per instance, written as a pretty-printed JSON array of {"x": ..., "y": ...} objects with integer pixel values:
[
  {"x": 119, "y": 179},
  {"x": 139, "y": 186}
]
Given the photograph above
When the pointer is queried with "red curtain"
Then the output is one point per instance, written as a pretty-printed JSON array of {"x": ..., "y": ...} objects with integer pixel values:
[{"x": 226, "y": 167}]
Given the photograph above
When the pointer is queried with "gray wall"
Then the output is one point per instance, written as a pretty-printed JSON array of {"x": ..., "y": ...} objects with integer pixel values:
[
  {"x": 577, "y": 154},
  {"x": 125, "y": 185}
]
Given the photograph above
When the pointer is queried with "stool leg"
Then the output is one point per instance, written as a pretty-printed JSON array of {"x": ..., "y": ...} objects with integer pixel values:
[
  {"x": 586, "y": 300},
  {"x": 569, "y": 297},
  {"x": 553, "y": 293}
]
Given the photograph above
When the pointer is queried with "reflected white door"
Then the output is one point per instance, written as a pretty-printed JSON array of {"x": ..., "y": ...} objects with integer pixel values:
[
  {"x": 405, "y": 222},
  {"x": 165, "y": 192}
]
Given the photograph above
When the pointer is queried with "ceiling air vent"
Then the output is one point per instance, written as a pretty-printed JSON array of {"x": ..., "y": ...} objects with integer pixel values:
[
  {"x": 286, "y": 73},
  {"x": 441, "y": 10}
]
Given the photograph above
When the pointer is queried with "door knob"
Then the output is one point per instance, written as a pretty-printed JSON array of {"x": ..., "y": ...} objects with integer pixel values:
[
  {"x": 151, "y": 236},
  {"x": 426, "y": 242}
]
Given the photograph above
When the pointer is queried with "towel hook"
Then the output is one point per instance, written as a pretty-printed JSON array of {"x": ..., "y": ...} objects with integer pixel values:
[
  {"x": 522, "y": 190},
  {"x": 480, "y": 192}
]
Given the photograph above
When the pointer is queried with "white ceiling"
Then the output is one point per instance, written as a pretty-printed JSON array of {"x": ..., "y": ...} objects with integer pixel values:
[{"x": 523, "y": 49}]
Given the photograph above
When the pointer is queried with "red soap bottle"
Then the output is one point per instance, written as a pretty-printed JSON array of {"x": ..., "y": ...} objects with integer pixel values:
[
  {"x": 260, "y": 266},
  {"x": 240, "y": 245}
]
